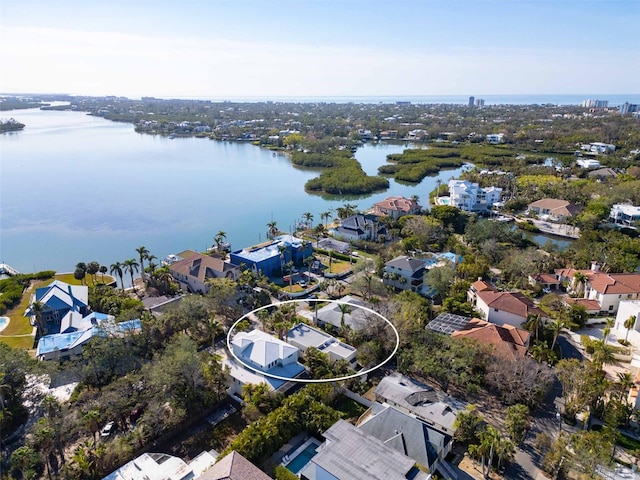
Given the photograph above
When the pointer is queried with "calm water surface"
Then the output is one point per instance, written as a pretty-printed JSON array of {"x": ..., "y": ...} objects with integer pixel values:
[{"x": 79, "y": 188}]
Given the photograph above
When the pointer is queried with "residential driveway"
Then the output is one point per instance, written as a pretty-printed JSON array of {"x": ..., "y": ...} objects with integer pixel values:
[{"x": 526, "y": 463}]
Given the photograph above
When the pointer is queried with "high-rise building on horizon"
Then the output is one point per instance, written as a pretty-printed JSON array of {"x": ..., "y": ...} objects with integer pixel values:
[
  {"x": 479, "y": 102},
  {"x": 627, "y": 107},
  {"x": 589, "y": 103},
  {"x": 471, "y": 100}
]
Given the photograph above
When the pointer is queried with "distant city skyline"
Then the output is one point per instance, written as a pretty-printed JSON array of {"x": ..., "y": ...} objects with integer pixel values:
[{"x": 263, "y": 48}]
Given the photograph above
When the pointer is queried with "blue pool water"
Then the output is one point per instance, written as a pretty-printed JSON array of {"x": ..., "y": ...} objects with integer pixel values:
[{"x": 303, "y": 458}]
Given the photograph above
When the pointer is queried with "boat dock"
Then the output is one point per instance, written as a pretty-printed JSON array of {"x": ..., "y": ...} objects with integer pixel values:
[{"x": 7, "y": 270}]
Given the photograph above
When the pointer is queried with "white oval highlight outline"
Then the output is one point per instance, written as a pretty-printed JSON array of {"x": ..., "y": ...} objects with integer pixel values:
[{"x": 313, "y": 380}]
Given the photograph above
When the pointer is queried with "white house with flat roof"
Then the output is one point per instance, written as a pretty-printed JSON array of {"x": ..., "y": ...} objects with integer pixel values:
[
  {"x": 304, "y": 336},
  {"x": 598, "y": 147},
  {"x": 628, "y": 309},
  {"x": 470, "y": 197},
  {"x": 588, "y": 163},
  {"x": 624, "y": 214}
]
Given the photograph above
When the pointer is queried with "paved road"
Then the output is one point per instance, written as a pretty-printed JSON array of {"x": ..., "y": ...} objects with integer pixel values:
[
  {"x": 568, "y": 349},
  {"x": 527, "y": 460}
]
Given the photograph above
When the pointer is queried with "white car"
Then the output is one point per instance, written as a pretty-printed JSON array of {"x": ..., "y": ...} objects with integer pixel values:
[{"x": 107, "y": 430}]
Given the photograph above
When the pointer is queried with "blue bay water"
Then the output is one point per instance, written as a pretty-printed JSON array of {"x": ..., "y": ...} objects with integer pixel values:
[{"x": 76, "y": 188}]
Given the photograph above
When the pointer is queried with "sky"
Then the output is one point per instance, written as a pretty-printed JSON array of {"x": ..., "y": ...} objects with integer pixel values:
[{"x": 304, "y": 48}]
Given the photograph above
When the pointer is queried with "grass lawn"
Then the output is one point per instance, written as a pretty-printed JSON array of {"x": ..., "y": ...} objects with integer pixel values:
[
  {"x": 350, "y": 409},
  {"x": 19, "y": 324},
  {"x": 69, "y": 278},
  {"x": 337, "y": 266},
  {"x": 628, "y": 443},
  {"x": 295, "y": 288}
]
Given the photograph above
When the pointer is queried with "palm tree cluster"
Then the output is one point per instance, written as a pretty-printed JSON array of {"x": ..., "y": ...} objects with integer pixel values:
[
  {"x": 91, "y": 268},
  {"x": 151, "y": 274}
]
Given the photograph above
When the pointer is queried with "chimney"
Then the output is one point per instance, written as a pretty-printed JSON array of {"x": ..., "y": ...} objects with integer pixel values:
[{"x": 595, "y": 266}]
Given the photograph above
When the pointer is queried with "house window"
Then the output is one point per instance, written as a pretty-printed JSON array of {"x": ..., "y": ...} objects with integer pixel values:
[
  {"x": 610, "y": 307},
  {"x": 495, "y": 309}
]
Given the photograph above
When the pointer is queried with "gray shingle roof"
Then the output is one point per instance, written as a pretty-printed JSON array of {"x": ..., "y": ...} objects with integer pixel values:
[
  {"x": 433, "y": 406},
  {"x": 404, "y": 262},
  {"x": 405, "y": 433},
  {"x": 351, "y": 454}
]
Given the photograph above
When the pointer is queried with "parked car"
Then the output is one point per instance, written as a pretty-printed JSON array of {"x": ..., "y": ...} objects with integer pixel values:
[{"x": 108, "y": 429}]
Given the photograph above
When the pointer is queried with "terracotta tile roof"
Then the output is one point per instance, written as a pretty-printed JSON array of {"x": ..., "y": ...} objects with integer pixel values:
[
  {"x": 587, "y": 303},
  {"x": 569, "y": 273},
  {"x": 234, "y": 467},
  {"x": 508, "y": 342},
  {"x": 609, "y": 283},
  {"x": 481, "y": 286},
  {"x": 545, "y": 278},
  {"x": 400, "y": 204},
  {"x": 512, "y": 302}
]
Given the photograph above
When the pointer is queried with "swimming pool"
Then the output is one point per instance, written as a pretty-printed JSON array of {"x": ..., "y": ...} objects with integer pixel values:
[{"x": 302, "y": 458}]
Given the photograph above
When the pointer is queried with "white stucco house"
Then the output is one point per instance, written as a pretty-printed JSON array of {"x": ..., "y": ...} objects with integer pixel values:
[
  {"x": 304, "y": 336},
  {"x": 626, "y": 310},
  {"x": 470, "y": 197},
  {"x": 261, "y": 353},
  {"x": 622, "y": 214},
  {"x": 511, "y": 308},
  {"x": 608, "y": 290}
]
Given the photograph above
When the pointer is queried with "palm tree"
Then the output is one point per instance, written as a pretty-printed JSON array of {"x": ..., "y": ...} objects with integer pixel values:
[
  {"x": 320, "y": 232},
  {"x": 344, "y": 309},
  {"x": 309, "y": 261},
  {"x": 92, "y": 420},
  {"x": 219, "y": 239},
  {"x": 164, "y": 278},
  {"x": 281, "y": 250},
  {"x": 555, "y": 326},
  {"x": 579, "y": 280},
  {"x": 152, "y": 265},
  {"x": 143, "y": 253},
  {"x": 607, "y": 330},
  {"x": 103, "y": 270},
  {"x": 602, "y": 354},
  {"x": 533, "y": 323},
  {"x": 116, "y": 268},
  {"x": 629, "y": 323},
  {"x": 289, "y": 266},
  {"x": 272, "y": 229},
  {"x": 131, "y": 266},
  {"x": 80, "y": 272},
  {"x": 326, "y": 216},
  {"x": 308, "y": 216},
  {"x": 349, "y": 209},
  {"x": 36, "y": 309},
  {"x": 340, "y": 287},
  {"x": 486, "y": 449}
]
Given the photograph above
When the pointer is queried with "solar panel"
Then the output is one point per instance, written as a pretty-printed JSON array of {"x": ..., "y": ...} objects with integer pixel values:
[{"x": 448, "y": 323}]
